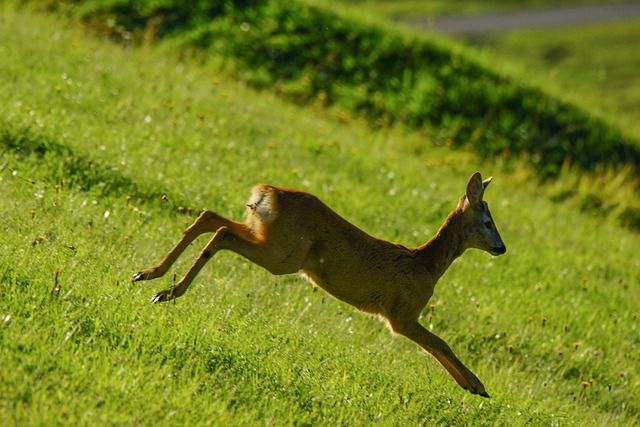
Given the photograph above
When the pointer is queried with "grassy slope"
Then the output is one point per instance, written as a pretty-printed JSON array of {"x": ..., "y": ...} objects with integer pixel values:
[
  {"x": 399, "y": 9},
  {"x": 594, "y": 65},
  {"x": 242, "y": 345},
  {"x": 375, "y": 72},
  {"x": 599, "y": 80}
]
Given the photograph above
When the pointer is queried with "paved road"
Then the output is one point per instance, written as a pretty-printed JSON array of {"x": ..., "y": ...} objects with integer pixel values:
[{"x": 537, "y": 18}]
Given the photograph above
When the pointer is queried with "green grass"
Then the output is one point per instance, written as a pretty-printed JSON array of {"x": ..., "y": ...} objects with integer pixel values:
[
  {"x": 593, "y": 65},
  {"x": 599, "y": 80},
  {"x": 372, "y": 71},
  {"x": 401, "y": 9},
  {"x": 92, "y": 135}
]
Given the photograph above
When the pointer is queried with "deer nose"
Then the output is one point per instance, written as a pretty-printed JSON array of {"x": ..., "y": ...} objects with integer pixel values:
[{"x": 499, "y": 250}]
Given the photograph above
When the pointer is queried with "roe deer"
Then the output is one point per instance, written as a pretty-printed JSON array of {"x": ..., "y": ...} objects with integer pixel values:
[{"x": 288, "y": 231}]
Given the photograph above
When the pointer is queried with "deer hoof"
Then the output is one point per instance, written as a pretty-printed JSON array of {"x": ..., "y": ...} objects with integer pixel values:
[
  {"x": 163, "y": 296},
  {"x": 143, "y": 275},
  {"x": 138, "y": 276}
]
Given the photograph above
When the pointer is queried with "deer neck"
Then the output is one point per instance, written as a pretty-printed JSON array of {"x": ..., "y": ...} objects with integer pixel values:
[{"x": 443, "y": 248}]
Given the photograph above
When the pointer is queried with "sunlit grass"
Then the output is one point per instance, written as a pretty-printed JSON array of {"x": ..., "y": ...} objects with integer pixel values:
[
  {"x": 402, "y": 9},
  {"x": 592, "y": 65},
  {"x": 105, "y": 132}
]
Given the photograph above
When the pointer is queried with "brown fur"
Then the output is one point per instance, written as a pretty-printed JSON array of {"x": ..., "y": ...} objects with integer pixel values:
[{"x": 288, "y": 231}]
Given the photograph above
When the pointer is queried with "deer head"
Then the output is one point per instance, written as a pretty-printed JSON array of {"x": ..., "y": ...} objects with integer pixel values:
[{"x": 478, "y": 228}]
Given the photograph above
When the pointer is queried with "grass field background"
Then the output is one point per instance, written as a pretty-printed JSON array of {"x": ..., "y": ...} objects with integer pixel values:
[
  {"x": 93, "y": 135},
  {"x": 400, "y": 9},
  {"x": 592, "y": 65}
]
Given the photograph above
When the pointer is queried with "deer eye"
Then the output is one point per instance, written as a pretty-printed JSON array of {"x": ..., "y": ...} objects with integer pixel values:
[{"x": 488, "y": 225}]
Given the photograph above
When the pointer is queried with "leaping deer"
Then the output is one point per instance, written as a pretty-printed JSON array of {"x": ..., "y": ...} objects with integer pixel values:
[{"x": 288, "y": 231}]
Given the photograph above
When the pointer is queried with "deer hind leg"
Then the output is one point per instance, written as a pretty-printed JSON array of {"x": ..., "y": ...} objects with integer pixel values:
[
  {"x": 207, "y": 222},
  {"x": 443, "y": 353},
  {"x": 276, "y": 259}
]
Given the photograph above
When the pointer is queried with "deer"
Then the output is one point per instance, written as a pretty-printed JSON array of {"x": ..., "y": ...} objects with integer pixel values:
[{"x": 288, "y": 231}]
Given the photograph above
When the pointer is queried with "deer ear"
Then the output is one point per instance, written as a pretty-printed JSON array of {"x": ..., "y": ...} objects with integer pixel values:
[{"x": 475, "y": 188}]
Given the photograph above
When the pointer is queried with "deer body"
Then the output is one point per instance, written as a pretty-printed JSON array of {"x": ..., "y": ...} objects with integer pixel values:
[{"x": 288, "y": 231}]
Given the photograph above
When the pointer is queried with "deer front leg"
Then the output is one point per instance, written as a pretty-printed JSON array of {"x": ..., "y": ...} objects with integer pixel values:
[
  {"x": 239, "y": 240},
  {"x": 443, "y": 353},
  {"x": 207, "y": 222},
  {"x": 225, "y": 237},
  {"x": 212, "y": 247}
]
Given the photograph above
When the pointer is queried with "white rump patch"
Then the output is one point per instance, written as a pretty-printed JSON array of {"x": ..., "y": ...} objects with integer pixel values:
[{"x": 262, "y": 204}]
